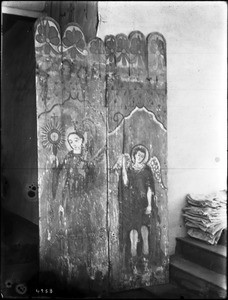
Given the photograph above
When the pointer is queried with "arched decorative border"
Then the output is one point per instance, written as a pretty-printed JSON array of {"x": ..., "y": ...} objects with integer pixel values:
[
  {"x": 139, "y": 56},
  {"x": 47, "y": 37}
]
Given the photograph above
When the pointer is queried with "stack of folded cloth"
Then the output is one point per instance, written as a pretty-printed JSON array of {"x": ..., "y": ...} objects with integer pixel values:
[{"x": 205, "y": 216}]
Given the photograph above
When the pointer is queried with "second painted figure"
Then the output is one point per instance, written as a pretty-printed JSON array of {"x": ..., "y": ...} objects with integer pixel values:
[{"x": 138, "y": 209}]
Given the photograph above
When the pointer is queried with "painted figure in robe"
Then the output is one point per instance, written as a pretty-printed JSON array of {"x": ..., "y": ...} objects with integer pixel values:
[
  {"x": 72, "y": 178},
  {"x": 139, "y": 220}
]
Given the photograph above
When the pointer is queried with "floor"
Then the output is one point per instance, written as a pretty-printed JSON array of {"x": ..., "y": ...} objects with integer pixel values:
[
  {"x": 19, "y": 272},
  {"x": 167, "y": 291},
  {"x": 13, "y": 287}
]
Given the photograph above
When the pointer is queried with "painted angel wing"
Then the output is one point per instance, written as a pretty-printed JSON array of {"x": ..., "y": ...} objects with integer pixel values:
[
  {"x": 155, "y": 166},
  {"x": 119, "y": 164}
]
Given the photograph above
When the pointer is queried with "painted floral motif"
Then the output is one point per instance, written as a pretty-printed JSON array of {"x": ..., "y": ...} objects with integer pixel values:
[
  {"x": 157, "y": 61},
  {"x": 97, "y": 57},
  {"x": 110, "y": 45},
  {"x": 157, "y": 48},
  {"x": 49, "y": 36},
  {"x": 73, "y": 40},
  {"x": 122, "y": 50},
  {"x": 96, "y": 47},
  {"x": 137, "y": 49}
]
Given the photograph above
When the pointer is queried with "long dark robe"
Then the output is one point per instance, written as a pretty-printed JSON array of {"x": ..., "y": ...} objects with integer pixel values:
[
  {"x": 71, "y": 181},
  {"x": 132, "y": 207}
]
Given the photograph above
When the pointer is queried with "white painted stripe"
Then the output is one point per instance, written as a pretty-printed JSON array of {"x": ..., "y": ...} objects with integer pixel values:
[{"x": 134, "y": 111}]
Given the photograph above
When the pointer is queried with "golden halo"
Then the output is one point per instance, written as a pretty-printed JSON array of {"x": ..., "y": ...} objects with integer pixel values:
[{"x": 140, "y": 146}]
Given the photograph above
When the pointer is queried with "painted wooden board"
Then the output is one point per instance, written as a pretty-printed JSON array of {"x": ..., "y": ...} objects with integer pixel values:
[
  {"x": 102, "y": 155},
  {"x": 137, "y": 127},
  {"x": 72, "y": 157}
]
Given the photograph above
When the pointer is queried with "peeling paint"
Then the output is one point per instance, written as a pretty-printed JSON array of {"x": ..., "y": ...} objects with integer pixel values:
[{"x": 95, "y": 103}]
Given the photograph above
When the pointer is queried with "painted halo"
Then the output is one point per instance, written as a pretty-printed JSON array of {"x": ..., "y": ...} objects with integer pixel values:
[{"x": 133, "y": 150}]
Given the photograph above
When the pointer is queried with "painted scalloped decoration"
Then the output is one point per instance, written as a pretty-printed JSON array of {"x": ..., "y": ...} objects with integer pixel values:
[
  {"x": 97, "y": 50},
  {"x": 73, "y": 43},
  {"x": 110, "y": 48},
  {"x": 96, "y": 46},
  {"x": 142, "y": 58},
  {"x": 156, "y": 59},
  {"x": 122, "y": 51},
  {"x": 47, "y": 37},
  {"x": 137, "y": 49}
]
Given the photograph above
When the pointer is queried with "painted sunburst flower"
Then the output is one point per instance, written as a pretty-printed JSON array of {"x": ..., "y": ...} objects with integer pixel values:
[{"x": 52, "y": 135}]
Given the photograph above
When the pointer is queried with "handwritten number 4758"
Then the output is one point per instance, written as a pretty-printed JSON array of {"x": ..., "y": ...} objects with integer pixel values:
[{"x": 44, "y": 291}]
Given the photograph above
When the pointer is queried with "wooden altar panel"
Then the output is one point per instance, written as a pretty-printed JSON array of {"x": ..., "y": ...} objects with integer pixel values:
[
  {"x": 72, "y": 181},
  {"x": 103, "y": 209},
  {"x": 49, "y": 99},
  {"x": 137, "y": 117}
]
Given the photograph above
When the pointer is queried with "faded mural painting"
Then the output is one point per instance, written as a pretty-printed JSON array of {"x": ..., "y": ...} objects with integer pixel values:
[{"x": 102, "y": 155}]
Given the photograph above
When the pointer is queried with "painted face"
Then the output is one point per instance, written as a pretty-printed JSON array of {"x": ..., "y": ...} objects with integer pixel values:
[
  {"x": 75, "y": 142},
  {"x": 139, "y": 157}
]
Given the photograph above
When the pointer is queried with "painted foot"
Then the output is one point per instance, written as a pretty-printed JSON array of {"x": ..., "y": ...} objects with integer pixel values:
[
  {"x": 144, "y": 232},
  {"x": 134, "y": 241}
]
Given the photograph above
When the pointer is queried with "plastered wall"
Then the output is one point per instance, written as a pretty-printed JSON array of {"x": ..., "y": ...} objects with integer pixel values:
[{"x": 195, "y": 33}]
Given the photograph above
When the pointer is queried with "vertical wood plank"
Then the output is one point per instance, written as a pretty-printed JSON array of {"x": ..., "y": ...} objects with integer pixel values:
[
  {"x": 157, "y": 60},
  {"x": 96, "y": 111},
  {"x": 75, "y": 184},
  {"x": 110, "y": 78},
  {"x": 157, "y": 76},
  {"x": 142, "y": 249},
  {"x": 122, "y": 56},
  {"x": 49, "y": 129},
  {"x": 137, "y": 46},
  {"x": 72, "y": 176},
  {"x": 110, "y": 50},
  {"x": 117, "y": 99}
]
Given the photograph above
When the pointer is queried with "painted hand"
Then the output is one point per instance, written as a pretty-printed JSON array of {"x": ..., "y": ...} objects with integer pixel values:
[
  {"x": 124, "y": 161},
  {"x": 148, "y": 210},
  {"x": 54, "y": 159}
]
